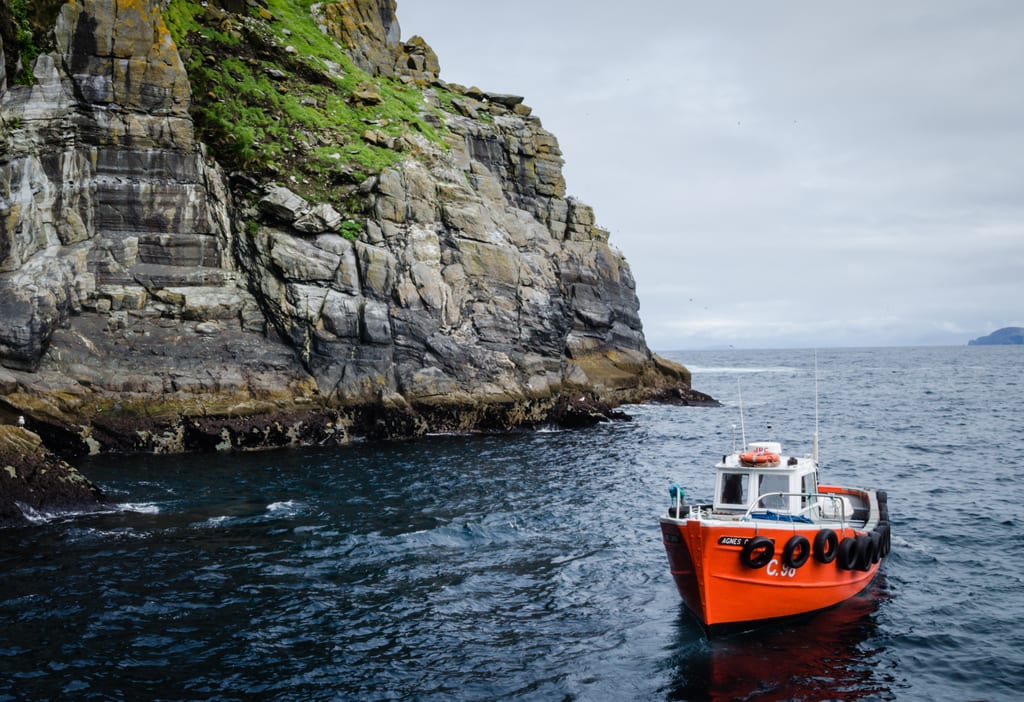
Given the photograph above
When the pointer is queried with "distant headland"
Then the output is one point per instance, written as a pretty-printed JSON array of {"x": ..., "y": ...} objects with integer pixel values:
[{"x": 1006, "y": 336}]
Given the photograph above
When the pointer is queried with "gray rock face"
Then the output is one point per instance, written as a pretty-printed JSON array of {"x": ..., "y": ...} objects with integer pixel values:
[
  {"x": 103, "y": 180},
  {"x": 143, "y": 307}
]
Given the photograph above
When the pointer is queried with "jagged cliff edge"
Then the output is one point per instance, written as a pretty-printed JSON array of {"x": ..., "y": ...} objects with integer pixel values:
[{"x": 151, "y": 301}]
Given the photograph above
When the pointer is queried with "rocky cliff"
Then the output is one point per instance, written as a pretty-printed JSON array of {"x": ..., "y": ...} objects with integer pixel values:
[
  {"x": 35, "y": 484},
  {"x": 243, "y": 224}
]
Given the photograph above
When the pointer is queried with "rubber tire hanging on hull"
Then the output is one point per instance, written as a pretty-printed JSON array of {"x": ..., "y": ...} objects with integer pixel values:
[
  {"x": 884, "y": 531},
  {"x": 796, "y": 551},
  {"x": 876, "y": 546},
  {"x": 846, "y": 558},
  {"x": 826, "y": 546},
  {"x": 865, "y": 552},
  {"x": 757, "y": 552}
]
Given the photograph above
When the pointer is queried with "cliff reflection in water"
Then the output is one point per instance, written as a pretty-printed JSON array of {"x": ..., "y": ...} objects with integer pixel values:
[{"x": 829, "y": 655}]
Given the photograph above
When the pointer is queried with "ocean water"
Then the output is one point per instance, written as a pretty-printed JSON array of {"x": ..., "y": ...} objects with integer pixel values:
[{"x": 529, "y": 565}]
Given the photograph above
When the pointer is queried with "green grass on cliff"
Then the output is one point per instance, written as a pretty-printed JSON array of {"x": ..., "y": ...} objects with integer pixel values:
[
  {"x": 23, "y": 42},
  {"x": 272, "y": 96}
]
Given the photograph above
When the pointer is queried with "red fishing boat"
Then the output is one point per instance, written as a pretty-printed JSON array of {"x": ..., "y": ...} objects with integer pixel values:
[{"x": 773, "y": 543}]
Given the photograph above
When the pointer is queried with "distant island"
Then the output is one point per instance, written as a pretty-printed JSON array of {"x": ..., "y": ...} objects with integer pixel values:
[{"x": 1001, "y": 337}]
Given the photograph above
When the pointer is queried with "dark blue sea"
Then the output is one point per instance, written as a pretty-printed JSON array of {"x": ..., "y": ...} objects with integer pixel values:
[{"x": 529, "y": 566}]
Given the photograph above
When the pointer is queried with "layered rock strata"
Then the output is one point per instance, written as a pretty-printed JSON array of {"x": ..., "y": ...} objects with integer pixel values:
[{"x": 146, "y": 303}]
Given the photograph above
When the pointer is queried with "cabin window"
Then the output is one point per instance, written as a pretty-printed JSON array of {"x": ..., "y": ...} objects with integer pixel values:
[
  {"x": 773, "y": 483},
  {"x": 734, "y": 488}
]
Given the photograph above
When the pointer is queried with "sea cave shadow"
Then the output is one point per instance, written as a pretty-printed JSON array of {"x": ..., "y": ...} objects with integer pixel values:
[{"x": 831, "y": 655}]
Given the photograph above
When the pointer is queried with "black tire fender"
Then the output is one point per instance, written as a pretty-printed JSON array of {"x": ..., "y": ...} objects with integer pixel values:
[
  {"x": 757, "y": 552},
  {"x": 796, "y": 551},
  {"x": 865, "y": 551},
  {"x": 877, "y": 543},
  {"x": 826, "y": 546},
  {"x": 846, "y": 558},
  {"x": 885, "y": 530}
]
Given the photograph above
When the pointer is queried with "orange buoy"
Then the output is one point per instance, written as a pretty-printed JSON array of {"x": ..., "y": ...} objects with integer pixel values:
[{"x": 759, "y": 458}]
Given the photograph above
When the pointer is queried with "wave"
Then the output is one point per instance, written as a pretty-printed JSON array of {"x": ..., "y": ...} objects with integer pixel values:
[
  {"x": 212, "y": 522},
  {"x": 36, "y": 516},
  {"x": 138, "y": 507},
  {"x": 468, "y": 533},
  {"x": 289, "y": 507},
  {"x": 274, "y": 510}
]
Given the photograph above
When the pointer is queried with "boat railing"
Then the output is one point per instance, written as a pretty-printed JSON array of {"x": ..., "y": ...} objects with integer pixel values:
[
  {"x": 690, "y": 511},
  {"x": 811, "y": 505}
]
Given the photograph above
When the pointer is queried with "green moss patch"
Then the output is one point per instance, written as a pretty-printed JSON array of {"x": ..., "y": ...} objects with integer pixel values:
[
  {"x": 25, "y": 30},
  {"x": 275, "y": 97}
]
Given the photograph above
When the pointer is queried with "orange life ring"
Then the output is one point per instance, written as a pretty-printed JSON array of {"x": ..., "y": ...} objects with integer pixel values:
[{"x": 759, "y": 458}]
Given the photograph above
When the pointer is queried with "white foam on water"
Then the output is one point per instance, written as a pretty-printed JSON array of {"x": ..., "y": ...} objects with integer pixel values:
[
  {"x": 138, "y": 507},
  {"x": 287, "y": 507}
]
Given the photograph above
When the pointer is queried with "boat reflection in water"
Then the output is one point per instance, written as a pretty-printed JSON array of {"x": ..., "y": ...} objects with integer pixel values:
[{"x": 830, "y": 655}]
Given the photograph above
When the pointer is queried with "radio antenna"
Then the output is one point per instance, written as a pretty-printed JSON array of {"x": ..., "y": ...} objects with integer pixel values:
[
  {"x": 815, "y": 406},
  {"x": 743, "y": 431}
]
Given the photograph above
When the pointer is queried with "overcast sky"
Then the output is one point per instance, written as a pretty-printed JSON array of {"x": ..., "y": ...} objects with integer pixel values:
[{"x": 778, "y": 174}]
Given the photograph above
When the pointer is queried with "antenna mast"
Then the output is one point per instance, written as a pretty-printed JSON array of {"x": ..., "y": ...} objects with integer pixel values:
[
  {"x": 815, "y": 406},
  {"x": 743, "y": 431}
]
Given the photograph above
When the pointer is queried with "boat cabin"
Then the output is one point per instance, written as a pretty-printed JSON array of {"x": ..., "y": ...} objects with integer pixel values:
[{"x": 762, "y": 470}]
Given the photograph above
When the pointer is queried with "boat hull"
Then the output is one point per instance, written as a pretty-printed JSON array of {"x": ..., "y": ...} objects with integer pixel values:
[{"x": 720, "y": 589}]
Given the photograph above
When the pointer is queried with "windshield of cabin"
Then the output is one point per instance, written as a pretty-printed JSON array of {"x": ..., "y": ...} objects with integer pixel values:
[
  {"x": 773, "y": 483},
  {"x": 734, "y": 489}
]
